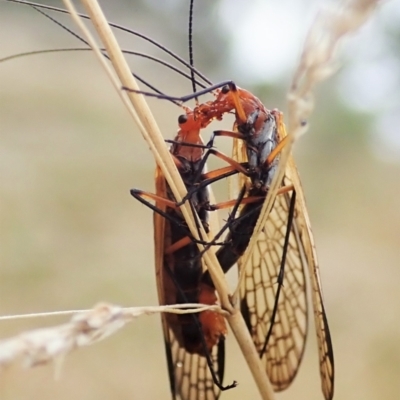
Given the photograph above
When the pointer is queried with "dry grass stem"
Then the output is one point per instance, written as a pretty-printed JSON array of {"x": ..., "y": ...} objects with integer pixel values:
[
  {"x": 152, "y": 135},
  {"x": 41, "y": 346},
  {"x": 317, "y": 63},
  {"x": 163, "y": 159},
  {"x": 317, "y": 60}
]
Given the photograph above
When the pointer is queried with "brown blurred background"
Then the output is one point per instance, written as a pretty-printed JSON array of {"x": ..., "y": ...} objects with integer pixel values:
[{"x": 71, "y": 235}]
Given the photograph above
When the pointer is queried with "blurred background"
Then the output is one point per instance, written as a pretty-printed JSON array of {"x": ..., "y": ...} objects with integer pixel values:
[{"x": 71, "y": 235}]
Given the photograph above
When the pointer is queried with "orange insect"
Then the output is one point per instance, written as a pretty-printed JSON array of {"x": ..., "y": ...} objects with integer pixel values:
[
  {"x": 194, "y": 342},
  {"x": 273, "y": 292}
]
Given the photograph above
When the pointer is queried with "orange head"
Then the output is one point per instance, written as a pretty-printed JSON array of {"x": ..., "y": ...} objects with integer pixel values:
[{"x": 188, "y": 133}]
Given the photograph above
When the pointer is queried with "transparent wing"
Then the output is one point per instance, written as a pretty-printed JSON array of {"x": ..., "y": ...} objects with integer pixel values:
[
  {"x": 237, "y": 181},
  {"x": 189, "y": 374},
  {"x": 325, "y": 348},
  {"x": 259, "y": 290}
]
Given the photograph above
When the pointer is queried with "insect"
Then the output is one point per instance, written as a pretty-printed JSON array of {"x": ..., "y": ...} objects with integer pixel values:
[
  {"x": 193, "y": 342},
  {"x": 273, "y": 292}
]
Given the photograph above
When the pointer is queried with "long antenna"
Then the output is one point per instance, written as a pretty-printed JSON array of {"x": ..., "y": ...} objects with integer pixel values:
[
  {"x": 191, "y": 62},
  {"x": 122, "y": 28},
  {"x": 130, "y": 52}
]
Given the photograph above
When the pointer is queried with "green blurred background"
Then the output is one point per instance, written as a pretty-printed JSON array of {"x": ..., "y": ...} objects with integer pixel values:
[{"x": 71, "y": 235}]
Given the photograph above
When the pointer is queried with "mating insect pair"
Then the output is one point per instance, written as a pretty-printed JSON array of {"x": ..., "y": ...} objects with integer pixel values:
[
  {"x": 276, "y": 314},
  {"x": 273, "y": 292}
]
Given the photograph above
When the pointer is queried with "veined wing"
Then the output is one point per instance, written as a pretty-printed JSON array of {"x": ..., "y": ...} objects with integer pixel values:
[
  {"x": 259, "y": 291},
  {"x": 237, "y": 181},
  {"x": 286, "y": 344},
  {"x": 259, "y": 286},
  {"x": 189, "y": 374},
  {"x": 325, "y": 348}
]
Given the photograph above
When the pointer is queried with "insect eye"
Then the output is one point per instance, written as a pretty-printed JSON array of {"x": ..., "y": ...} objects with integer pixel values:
[
  {"x": 182, "y": 119},
  {"x": 225, "y": 89}
]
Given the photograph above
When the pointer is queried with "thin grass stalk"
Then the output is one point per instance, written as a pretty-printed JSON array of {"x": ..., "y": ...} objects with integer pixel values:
[
  {"x": 153, "y": 136},
  {"x": 316, "y": 64},
  {"x": 86, "y": 327},
  {"x": 157, "y": 145}
]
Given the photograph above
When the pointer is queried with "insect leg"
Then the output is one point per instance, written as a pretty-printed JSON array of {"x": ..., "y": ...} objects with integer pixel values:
[
  {"x": 207, "y": 178},
  {"x": 241, "y": 229},
  {"x": 137, "y": 194}
]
